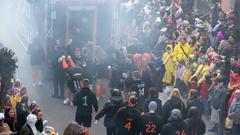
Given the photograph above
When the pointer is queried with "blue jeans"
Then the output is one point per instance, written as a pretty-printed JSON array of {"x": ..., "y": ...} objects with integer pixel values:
[{"x": 236, "y": 129}]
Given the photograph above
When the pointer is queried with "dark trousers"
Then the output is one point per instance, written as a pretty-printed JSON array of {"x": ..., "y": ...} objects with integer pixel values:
[
  {"x": 110, "y": 131},
  {"x": 85, "y": 121},
  {"x": 74, "y": 85},
  {"x": 236, "y": 129},
  {"x": 58, "y": 86}
]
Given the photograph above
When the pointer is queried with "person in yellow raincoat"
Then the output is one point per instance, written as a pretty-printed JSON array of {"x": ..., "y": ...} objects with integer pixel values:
[
  {"x": 169, "y": 66},
  {"x": 202, "y": 70},
  {"x": 194, "y": 45},
  {"x": 15, "y": 98},
  {"x": 181, "y": 50},
  {"x": 191, "y": 68}
]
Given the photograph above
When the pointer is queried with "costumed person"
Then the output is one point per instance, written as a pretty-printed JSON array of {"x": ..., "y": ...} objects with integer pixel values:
[
  {"x": 38, "y": 112},
  {"x": 201, "y": 73},
  {"x": 169, "y": 66},
  {"x": 181, "y": 50},
  {"x": 29, "y": 128},
  {"x": 16, "y": 96},
  {"x": 73, "y": 70}
]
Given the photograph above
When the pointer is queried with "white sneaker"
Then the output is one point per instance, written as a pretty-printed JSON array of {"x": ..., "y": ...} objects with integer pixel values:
[
  {"x": 66, "y": 101},
  {"x": 71, "y": 104}
]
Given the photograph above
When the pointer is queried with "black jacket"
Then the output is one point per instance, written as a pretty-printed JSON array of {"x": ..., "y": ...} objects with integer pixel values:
[
  {"x": 39, "y": 125},
  {"x": 110, "y": 109},
  {"x": 195, "y": 126},
  {"x": 195, "y": 102},
  {"x": 173, "y": 103},
  {"x": 55, "y": 65},
  {"x": 128, "y": 121},
  {"x": 85, "y": 100},
  {"x": 9, "y": 120},
  {"x": 157, "y": 100},
  {"x": 157, "y": 75},
  {"x": 21, "y": 116},
  {"x": 175, "y": 127},
  {"x": 138, "y": 86},
  {"x": 153, "y": 124},
  {"x": 26, "y": 130}
]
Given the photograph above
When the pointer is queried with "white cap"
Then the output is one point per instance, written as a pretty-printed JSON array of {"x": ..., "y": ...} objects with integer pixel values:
[{"x": 2, "y": 116}]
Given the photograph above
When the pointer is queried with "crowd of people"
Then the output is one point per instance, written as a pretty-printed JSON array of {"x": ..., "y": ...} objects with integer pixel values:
[
  {"x": 166, "y": 46},
  {"x": 20, "y": 117},
  {"x": 171, "y": 47}
]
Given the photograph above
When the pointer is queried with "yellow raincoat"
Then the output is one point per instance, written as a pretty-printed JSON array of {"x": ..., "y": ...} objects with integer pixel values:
[
  {"x": 14, "y": 100},
  {"x": 191, "y": 68},
  {"x": 167, "y": 79},
  {"x": 201, "y": 72},
  {"x": 179, "y": 54}
]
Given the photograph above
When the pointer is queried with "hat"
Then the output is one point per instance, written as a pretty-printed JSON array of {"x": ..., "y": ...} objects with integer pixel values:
[
  {"x": 152, "y": 106},
  {"x": 2, "y": 116},
  {"x": 175, "y": 114},
  {"x": 219, "y": 36},
  {"x": 23, "y": 91},
  {"x": 186, "y": 23},
  {"x": 192, "y": 56},
  {"x": 14, "y": 92},
  {"x": 49, "y": 130},
  {"x": 31, "y": 119}
]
